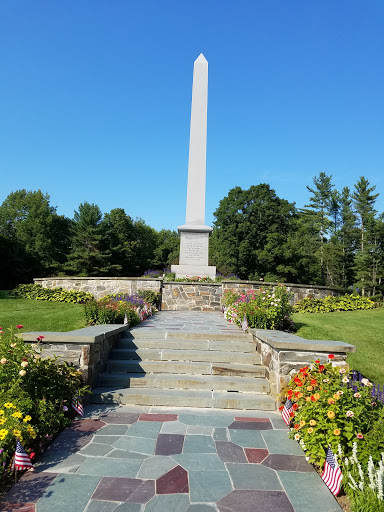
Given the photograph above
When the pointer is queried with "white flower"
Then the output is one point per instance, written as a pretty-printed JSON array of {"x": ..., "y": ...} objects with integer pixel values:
[
  {"x": 357, "y": 395},
  {"x": 22, "y": 373},
  {"x": 350, "y": 414},
  {"x": 3, "y": 360},
  {"x": 340, "y": 392},
  {"x": 345, "y": 379},
  {"x": 342, "y": 370},
  {"x": 297, "y": 437},
  {"x": 24, "y": 364},
  {"x": 365, "y": 382}
]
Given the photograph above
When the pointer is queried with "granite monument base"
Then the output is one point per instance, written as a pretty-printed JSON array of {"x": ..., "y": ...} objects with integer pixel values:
[{"x": 194, "y": 271}]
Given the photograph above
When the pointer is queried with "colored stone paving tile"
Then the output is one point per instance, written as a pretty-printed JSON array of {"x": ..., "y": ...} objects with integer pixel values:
[
  {"x": 124, "y": 454},
  {"x": 168, "y": 503},
  {"x": 278, "y": 423},
  {"x": 136, "y": 444},
  {"x": 119, "y": 418},
  {"x": 250, "y": 425},
  {"x": 247, "y": 438},
  {"x": 288, "y": 463},
  {"x": 199, "y": 430},
  {"x": 200, "y": 461},
  {"x": 202, "y": 507},
  {"x": 316, "y": 498},
  {"x": 109, "y": 467},
  {"x": 214, "y": 421},
  {"x": 129, "y": 507},
  {"x": 173, "y": 427},
  {"x": 158, "y": 417},
  {"x": 230, "y": 452},
  {"x": 221, "y": 434},
  {"x": 100, "y": 506},
  {"x": 96, "y": 449},
  {"x": 85, "y": 425},
  {"x": 209, "y": 485},
  {"x": 199, "y": 444},
  {"x": 244, "y": 501},
  {"x": 68, "y": 492},
  {"x": 149, "y": 429},
  {"x": 155, "y": 467},
  {"x": 132, "y": 490},
  {"x": 277, "y": 441},
  {"x": 255, "y": 455},
  {"x": 30, "y": 487},
  {"x": 246, "y": 418},
  {"x": 169, "y": 444},
  {"x": 112, "y": 430},
  {"x": 58, "y": 462},
  {"x": 106, "y": 439},
  {"x": 253, "y": 476},
  {"x": 173, "y": 482},
  {"x": 17, "y": 507}
]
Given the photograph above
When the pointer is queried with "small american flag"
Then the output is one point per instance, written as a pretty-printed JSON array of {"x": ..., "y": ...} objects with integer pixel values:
[
  {"x": 21, "y": 458},
  {"x": 286, "y": 410},
  {"x": 332, "y": 475},
  {"x": 244, "y": 324},
  {"x": 77, "y": 406}
]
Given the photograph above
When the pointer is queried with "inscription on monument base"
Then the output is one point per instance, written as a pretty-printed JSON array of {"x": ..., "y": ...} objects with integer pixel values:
[{"x": 194, "y": 248}]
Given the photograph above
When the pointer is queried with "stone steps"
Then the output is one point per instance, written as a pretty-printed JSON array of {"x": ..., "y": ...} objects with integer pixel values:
[
  {"x": 186, "y": 369},
  {"x": 183, "y": 398},
  {"x": 177, "y": 381}
]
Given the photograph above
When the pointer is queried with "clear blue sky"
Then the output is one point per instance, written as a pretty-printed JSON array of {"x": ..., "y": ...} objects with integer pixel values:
[{"x": 95, "y": 99}]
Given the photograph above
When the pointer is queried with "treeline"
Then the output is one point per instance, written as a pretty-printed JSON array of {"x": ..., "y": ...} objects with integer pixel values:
[
  {"x": 336, "y": 240},
  {"x": 37, "y": 242}
]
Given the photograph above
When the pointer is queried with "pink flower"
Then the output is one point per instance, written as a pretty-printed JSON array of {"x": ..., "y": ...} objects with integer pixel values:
[
  {"x": 357, "y": 395},
  {"x": 19, "y": 326},
  {"x": 359, "y": 435},
  {"x": 350, "y": 414}
]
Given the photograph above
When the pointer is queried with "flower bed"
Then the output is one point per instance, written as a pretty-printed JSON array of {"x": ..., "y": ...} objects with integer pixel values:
[
  {"x": 264, "y": 308},
  {"x": 118, "y": 309},
  {"x": 35, "y": 397},
  {"x": 328, "y": 407}
]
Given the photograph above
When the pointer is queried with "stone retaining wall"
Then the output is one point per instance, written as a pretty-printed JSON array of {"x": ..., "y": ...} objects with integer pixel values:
[
  {"x": 101, "y": 286},
  {"x": 283, "y": 354},
  {"x": 191, "y": 296},
  {"x": 88, "y": 348}
]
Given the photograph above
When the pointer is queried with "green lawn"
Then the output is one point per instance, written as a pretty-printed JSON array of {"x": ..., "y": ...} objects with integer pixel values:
[
  {"x": 363, "y": 328},
  {"x": 36, "y": 315}
]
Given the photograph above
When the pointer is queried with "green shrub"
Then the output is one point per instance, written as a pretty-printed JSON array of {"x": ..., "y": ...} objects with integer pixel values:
[
  {"x": 35, "y": 395},
  {"x": 264, "y": 308},
  {"x": 109, "y": 311},
  {"x": 328, "y": 304},
  {"x": 151, "y": 297},
  {"x": 37, "y": 292}
]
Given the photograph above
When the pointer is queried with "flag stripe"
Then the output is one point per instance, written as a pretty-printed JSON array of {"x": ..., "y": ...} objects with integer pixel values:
[
  {"x": 332, "y": 475},
  {"x": 286, "y": 410}
]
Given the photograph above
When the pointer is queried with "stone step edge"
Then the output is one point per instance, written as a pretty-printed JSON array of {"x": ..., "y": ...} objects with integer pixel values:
[{"x": 183, "y": 335}]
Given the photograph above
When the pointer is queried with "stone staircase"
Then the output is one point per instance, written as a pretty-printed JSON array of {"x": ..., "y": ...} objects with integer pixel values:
[{"x": 185, "y": 369}]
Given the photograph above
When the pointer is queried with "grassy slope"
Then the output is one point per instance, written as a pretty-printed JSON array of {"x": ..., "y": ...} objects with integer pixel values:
[
  {"x": 364, "y": 328},
  {"x": 37, "y": 315}
]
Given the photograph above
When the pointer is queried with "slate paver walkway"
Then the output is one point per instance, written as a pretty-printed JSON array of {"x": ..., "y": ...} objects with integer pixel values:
[{"x": 142, "y": 459}]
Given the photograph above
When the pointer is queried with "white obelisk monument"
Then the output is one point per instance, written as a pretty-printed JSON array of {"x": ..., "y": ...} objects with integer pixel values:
[{"x": 194, "y": 234}]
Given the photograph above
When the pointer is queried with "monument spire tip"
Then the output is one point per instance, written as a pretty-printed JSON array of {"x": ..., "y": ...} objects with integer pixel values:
[{"x": 201, "y": 58}]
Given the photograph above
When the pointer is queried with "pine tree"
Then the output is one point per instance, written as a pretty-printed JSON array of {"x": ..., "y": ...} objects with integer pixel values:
[{"x": 364, "y": 202}]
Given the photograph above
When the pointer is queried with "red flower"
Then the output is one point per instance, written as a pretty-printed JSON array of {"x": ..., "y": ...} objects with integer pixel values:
[
  {"x": 313, "y": 382},
  {"x": 317, "y": 361},
  {"x": 281, "y": 407},
  {"x": 305, "y": 374},
  {"x": 313, "y": 398},
  {"x": 296, "y": 427},
  {"x": 300, "y": 384},
  {"x": 290, "y": 393},
  {"x": 291, "y": 414},
  {"x": 19, "y": 326},
  {"x": 331, "y": 356},
  {"x": 295, "y": 407},
  {"x": 321, "y": 368}
]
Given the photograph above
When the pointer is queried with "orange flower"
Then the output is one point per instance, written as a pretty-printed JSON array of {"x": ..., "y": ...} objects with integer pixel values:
[
  {"x": 317, "y": 396},
  {"x": 314, "y": 382},
  {"x": 309, "y": 388},
  {"x": 336, "y": 396},
  {"x": 312, "y": 423},
  {"x": 307, "y": 398},
  {"x": 330, "y": 414},
  {"x": 331, "y": 401},
  {"x": 336, "y": 432},
  {"x": 310, "y": 430},
  {"x": 291, "y": 414},
  {"x": 302, "y": 423},
  {"x": 296, "y": 427},
  {"x": 295, "y": 407},
  {"x": 313, "y": 398}
]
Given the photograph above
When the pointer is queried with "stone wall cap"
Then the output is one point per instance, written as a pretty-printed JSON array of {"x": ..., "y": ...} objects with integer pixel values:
[
  {"x": 193, "y": 283},
  {"x": 285, "y": 341},
  {"x": 75, "y": 278},
  {"x": 269, "y": 283},
  {"x": 87, "y": 335}
]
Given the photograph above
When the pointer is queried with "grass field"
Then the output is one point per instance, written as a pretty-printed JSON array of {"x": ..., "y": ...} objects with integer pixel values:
[
  {"x": 363, "y": 328},
  {"x": 35, "y": 315}
]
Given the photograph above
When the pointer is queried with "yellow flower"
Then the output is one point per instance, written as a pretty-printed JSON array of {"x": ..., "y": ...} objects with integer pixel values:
[
  {"x": 27, "y": 418},
  {"x": 330, "y": 414},
  {"x": 336, "y": 396},
  {"x": 8, "y": 405},
  {"x": 336, "y": 432},
  {"x": 1, "y": 412},
  {"x": 309, "y": 388},
  {"x": 16, "y": 432},
  {"x": 317, "y": 396},
  {"x": 312, "y": 423},
  {"x": 3, "y": 433},
  {"x": 302, "y": 423},
  {"x": 331, "y": 401},
  {"x": 310, "y": 430},
  {"x": 2, "y": 420},
  {"x": 17, "y": 414}
]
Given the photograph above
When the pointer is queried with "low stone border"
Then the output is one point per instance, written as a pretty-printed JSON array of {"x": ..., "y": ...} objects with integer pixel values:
[
  {"x": 88, "y": 348},
  {"x": 283, "y": 354}
]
